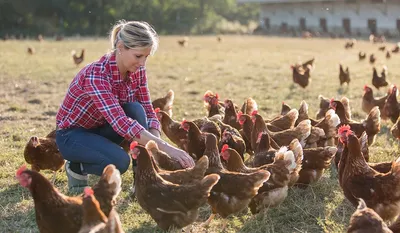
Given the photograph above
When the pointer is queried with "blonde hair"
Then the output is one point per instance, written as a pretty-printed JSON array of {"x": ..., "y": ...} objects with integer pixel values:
[{"x": 134, "y": 34}]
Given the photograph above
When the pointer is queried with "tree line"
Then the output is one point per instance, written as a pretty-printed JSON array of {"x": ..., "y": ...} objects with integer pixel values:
[{"x": 95, "y": 17}]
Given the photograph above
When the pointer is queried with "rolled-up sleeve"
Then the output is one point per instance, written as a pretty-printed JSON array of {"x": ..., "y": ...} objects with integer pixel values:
[
  {"x": 143, "y": 97},
  {"x": 99, "y": 88}
]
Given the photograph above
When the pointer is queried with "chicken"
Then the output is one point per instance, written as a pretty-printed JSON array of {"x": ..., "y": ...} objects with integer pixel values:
[
  {"x": 78, "y": 59},
  {"x": 395, "y": 226},
  {"x": 172, "y": 129},
  {"x": 369, "y": 101},
  {"x": 42, "y": 153},
  {"x": 165, "y": 103},
  {"x": 162, "y": 159},
  {"x": 155, "y": 194},
  {"x": 231, "y": 112},
  {"x": 108, "y": 188},
  {"x": 40, "y": 38},
  {"x": 234, "y": 141},
  {"x": 94, "y": 220},
  {"x": 196, "y": 139},
  {"x": 379, "y": 81},
  {"x": 315, "y": 160},
  {"x": 182, "y": 176},
  {"x": 286, "y": 121},
  {"x": 344, "y": 75},
  {"x": 219, "y": 38},
  {"x": 234, "y": 190},
  {"x": 310, "y": 62},
  {"x": 361, "y": 56},
  {"x": 259, "y": 126},
  {"x": 372, "y": 58},
  {"x": 184, "y": 41},
  {"x": 366, "y": 220},
  {"x": 388, "y": 54},
  {"x": 214, "y": 107},
  {"x": 328, "y": 124},
  {"x": 371, "y": 125},
  {"x": 382, "y": 48},
  {"x": 247, "y": 126},
  {"x": 391, "y": 108},
  {"x": 381, "y": 191},
  {"x": 31, "y": 50},
  {"x": 395, "y": 130},
  {"x": 323, "y": 106},
  {"x": 249, "y": 106},
  {"x": 284, "y": 169},
  {"x": 301, "y": 77},
  {"x": 285, "y": 108},
  {"x": 350, "y": 44},
  {"x": 264, "y": 153},
  {"x": 54, "y": 211},
  {"x": 300, "y": 132}
]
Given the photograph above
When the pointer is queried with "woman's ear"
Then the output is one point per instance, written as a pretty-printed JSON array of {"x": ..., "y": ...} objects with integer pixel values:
[{"x": 120, "y": 46}]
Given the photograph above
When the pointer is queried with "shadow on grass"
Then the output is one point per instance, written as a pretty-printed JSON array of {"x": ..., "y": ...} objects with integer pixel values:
[{"x": 13, "y": 194}]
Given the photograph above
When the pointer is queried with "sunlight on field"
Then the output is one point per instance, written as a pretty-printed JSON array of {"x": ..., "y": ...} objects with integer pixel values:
[{"x": 33, "y": 86}]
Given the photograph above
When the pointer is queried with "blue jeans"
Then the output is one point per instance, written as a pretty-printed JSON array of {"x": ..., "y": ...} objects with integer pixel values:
[{"x": 98, "y": 147}]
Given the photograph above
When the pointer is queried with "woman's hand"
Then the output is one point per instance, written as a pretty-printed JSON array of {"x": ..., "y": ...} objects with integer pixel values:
[
  {"x": 180, "y": 155},
  {"x": 155, "y": 132}
]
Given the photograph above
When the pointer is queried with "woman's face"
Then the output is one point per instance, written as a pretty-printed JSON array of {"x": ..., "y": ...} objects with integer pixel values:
[{"x": 132, "y": 59}]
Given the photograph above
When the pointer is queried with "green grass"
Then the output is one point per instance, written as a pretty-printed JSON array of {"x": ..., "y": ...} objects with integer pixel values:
[{"x": 32, "y": 87}]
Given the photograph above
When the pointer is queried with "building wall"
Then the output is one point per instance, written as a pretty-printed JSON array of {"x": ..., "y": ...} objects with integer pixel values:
[{"x": 386, "y": 15}]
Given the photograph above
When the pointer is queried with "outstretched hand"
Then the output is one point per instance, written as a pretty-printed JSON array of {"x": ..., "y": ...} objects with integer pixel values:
[{"x": 181, "y": 156}]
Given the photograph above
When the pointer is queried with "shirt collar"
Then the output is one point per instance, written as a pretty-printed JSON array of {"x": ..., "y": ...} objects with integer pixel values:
[{"x": 116, "y": 75}]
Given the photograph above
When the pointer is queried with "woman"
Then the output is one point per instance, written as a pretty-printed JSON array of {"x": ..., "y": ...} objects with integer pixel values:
[{"x": 108, "y": 101}]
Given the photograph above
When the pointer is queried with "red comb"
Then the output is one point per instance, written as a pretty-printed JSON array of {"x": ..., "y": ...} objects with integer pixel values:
[
  {"x": 254, "y": 112},
  {"x": 349, "y": 133},
  {"x": 183, "y": 121},
  {"x": 331, "y": 101},
  {"x": 20, "y": 170},
  {"x": 157, "y": 110},
  {"x": 343, "y": 128},
  {"x": 365, "y": 87},
  {"x": 283, "y": 102},
  {"x": 217, "y": 96},
  {"x": 133, "y": 145},
  {"x": 224, "y": 148},
  {"x": 88, "y": 191}
]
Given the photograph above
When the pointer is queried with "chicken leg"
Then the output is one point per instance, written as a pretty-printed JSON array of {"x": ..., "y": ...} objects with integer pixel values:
[
  {"x": 206, "y": 223},
  {"x": 54, "y": 177}
]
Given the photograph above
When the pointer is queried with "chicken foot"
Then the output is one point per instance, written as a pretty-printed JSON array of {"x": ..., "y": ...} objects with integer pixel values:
[{"x": 206, "y": 223}]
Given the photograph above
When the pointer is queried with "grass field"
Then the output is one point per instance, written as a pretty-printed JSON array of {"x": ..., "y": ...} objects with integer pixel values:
[{"x": 33, "y": 86}]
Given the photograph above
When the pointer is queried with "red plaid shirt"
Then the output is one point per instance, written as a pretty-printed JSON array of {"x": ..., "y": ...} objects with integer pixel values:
[{"x": 96, "y": 94}]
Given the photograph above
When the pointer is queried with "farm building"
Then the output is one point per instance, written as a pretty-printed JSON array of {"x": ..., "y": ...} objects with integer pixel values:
[{"x": 347, "y": 17}]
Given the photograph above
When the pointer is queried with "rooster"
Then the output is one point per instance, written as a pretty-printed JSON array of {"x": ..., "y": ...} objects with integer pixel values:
[
  {"x": 155, "y": 194},
  {"x": 381, "y": 191},
  {"x": 78, "y": 59},
  {"x": 165, "y": 103},
  {"x": 344, "y": 75},
  {"x": 366, "y": 220},
  {"x": 42, "y": 153},
  {"x": 379, "y": 81}
]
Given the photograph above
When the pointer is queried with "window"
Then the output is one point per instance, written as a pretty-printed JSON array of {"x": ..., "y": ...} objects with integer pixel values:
[
  {"x": 398, "y": 24},
  {"x": 372, "y": 26},
  {"x": 284, "y": 27},
  {"x": 322, "y": 24},
  {"x": 303, "y": 26},
  {"x": 347, "y": 25},
  {"x": 266, "y": 23}
]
